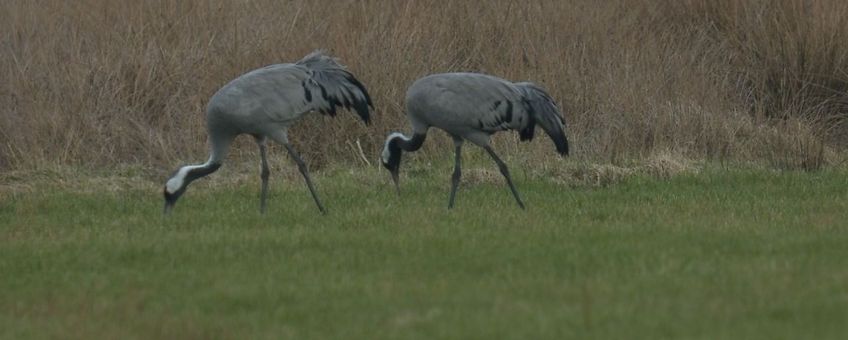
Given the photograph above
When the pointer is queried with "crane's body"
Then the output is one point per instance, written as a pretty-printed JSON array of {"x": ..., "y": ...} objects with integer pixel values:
[
  {"x": 473, "y": 106},
  {"x": 260, "y": 102},
  {"x": 268, "y": 100},
  {"x": 452, "y": 102},
  {"x": 264, "y": 103}
]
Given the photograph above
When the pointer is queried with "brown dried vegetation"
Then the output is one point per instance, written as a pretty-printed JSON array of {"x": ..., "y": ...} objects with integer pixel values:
[{"x": 98, "y": 83}]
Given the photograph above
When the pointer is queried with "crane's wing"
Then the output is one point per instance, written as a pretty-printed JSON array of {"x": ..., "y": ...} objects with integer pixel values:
[
  {"x": 329, "y": 85},
  {"x": 544, "y": 111},
  {"x": 497, "y": 105}
]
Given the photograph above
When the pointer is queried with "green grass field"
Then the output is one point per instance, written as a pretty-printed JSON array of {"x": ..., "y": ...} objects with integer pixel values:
[{"x": 743, "y": 254}]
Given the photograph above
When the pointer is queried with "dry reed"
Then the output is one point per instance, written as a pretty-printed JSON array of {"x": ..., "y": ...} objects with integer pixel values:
[{"x": 99, "y": 83}]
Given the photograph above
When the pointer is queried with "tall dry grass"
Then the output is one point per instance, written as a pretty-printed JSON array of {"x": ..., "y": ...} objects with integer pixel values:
[{"x": 99, "y": 83}]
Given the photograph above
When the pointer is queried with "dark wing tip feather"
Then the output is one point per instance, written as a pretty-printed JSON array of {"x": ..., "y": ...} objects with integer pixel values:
[
  {"x": 338, "y": 87},
  {"x": 527, "y": 133},
  {"x": 364, "y": 91},
  {"x": 362, "y": 110},
  {"x": 359, "y": 106},
  {"x": 542, "y": 107}
]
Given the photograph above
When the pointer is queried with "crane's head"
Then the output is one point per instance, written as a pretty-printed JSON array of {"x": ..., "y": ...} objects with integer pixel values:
[
  {"x": 174, "y": 188},
  {"x": 171, "y": 199},
  {"x": 390, "y": 157},
  {"x": 179, "y": 181}
]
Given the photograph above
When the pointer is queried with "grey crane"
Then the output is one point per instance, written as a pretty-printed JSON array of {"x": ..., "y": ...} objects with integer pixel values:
[
  {"x": 473, "y": 106},
  {"x": 264, "y": 103}
]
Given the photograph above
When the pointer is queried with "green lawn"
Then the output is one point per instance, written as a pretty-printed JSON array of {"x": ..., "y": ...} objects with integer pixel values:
[{"x": 742, "y": 254}]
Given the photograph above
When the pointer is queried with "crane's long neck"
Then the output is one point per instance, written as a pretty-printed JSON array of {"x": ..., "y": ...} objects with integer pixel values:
[
  {"x": 410, "y": 144},
  {"x": 189, "y": 173},
  {"x": 397, "y": 142},
  {"x": 220, "y": 143},
  {"x": 203, "y": 170},
  {"x": 178, "y": 183}
]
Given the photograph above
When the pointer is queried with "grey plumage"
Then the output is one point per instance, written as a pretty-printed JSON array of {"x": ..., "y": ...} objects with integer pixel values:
[
  {"x": 264, "y": 103},
  {"x": 472, "y": 106}
]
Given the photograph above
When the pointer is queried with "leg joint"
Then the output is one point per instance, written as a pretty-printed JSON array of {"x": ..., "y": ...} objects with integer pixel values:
[
  {"x": 457, "y": 174},
  {"x": 301, "y": 165}
]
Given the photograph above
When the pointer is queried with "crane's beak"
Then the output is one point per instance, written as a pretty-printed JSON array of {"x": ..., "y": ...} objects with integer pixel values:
[
  {"x": 396, "y": 179},
  {"x": 170, "y": 200}
]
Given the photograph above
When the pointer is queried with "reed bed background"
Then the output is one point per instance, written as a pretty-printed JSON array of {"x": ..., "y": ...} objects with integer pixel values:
[{"x": 101, "y": 83}]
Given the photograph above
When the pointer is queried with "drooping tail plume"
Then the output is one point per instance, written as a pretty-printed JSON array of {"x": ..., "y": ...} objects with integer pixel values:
[
  {"x": 331, "y": 86},
  {"x": 545, "y": 113}
]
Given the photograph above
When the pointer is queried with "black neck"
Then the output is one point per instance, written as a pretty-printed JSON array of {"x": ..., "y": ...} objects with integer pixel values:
[
  {"x": 202, "y": 171},
  {"x": 411, "y": 145}
]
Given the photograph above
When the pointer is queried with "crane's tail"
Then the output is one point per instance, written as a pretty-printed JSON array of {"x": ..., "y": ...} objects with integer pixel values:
[
  {"x": 544, "y": 112},
  {"x": 337, "y": 87}
]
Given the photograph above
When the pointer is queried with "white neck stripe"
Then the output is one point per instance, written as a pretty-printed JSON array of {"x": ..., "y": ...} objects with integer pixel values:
[
  {"x": 176, "y": 182},
  {"x": 385, "y": 155}
]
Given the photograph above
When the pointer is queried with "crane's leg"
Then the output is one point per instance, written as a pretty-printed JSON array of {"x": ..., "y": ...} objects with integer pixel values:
[
  {"x": 305, "y": 172},
  {"x": 264, "y": 174},
  {"x": 505, "y": 173},
  {"x": 457, "y": 173}
]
